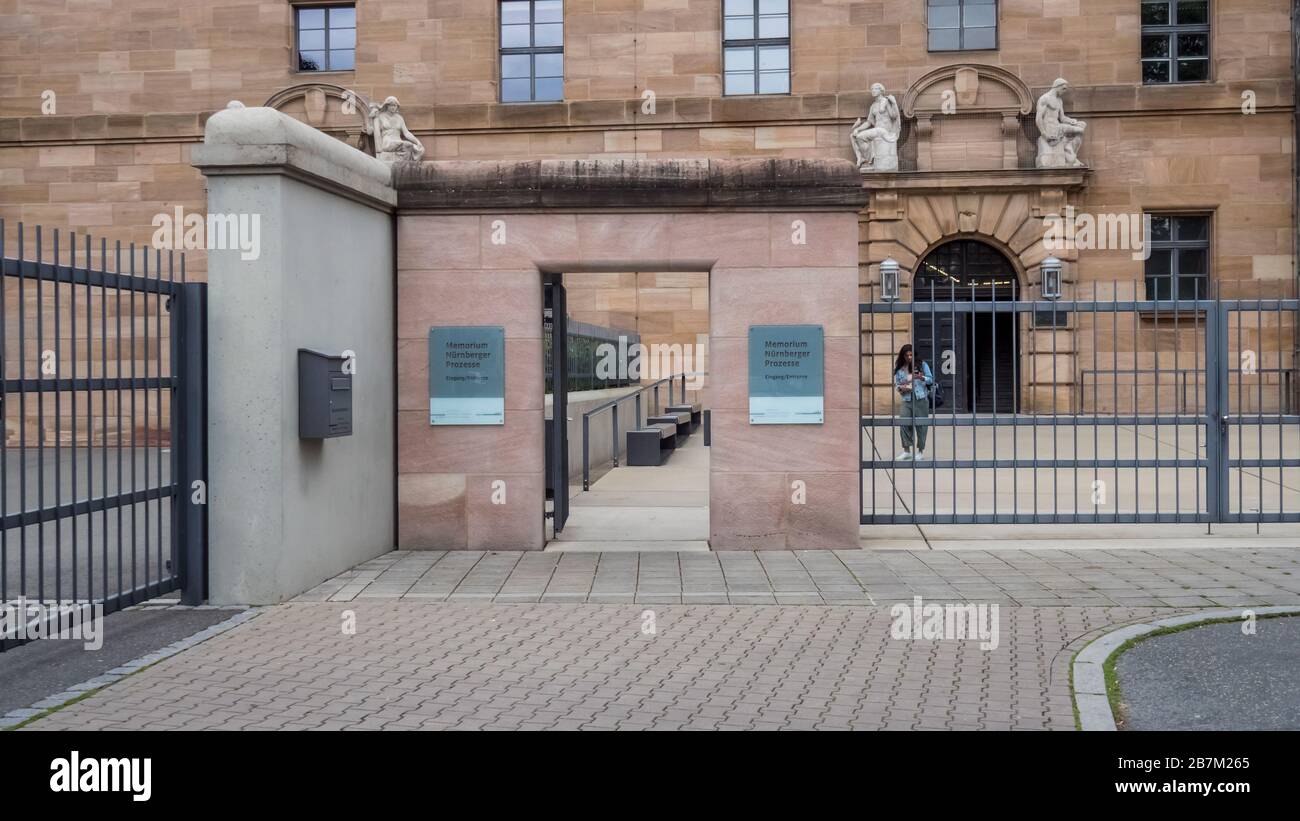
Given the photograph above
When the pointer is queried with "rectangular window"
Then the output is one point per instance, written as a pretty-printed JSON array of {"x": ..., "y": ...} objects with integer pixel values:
[
  {"x": 326, "y": 37},
  {"x": 756, "y": 47},
  {"x": 532, "y": 51},
  {"x": 1179, "y": 266},
  {"x": 1175, "y": 41},
  {"x": 962, "y": 25}
]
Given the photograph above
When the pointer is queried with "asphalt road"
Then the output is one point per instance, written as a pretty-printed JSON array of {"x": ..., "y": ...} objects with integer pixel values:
[
  {"x": 97, "y": 552},
  {"x": 1214, "y": 678},
  {"x": 32, "y": 671}
]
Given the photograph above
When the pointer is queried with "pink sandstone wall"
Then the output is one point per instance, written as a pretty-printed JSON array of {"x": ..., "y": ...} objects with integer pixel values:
[{"x": 450, "y": 272}]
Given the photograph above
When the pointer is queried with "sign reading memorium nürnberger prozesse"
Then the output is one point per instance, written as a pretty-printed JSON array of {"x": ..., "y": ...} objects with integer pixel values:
[
  {"x": 786, "y": 375},
  {"x": 467, "y": 375}
]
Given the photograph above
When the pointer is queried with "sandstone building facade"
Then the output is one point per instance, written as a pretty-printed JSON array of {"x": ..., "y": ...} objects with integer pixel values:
[{"x": 1190, "y": 106}]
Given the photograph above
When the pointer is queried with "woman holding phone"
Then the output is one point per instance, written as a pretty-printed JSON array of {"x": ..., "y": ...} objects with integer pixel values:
[{"x": 913, "y": 383}]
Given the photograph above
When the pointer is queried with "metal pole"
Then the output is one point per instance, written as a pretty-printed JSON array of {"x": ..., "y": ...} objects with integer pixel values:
[
  {"x": 614, "y": 427},
  {"x": 1216, "y": 421},
  {"x": 586, "y": 458},
  {"x": 192, "y": 440}
]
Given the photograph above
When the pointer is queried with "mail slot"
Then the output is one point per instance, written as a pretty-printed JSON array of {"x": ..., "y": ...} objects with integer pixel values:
[{"x": 324, "y": 396}]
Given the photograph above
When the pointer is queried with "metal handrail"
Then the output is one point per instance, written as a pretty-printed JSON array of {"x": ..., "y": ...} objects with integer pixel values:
[{"x": 614, "y": 403}]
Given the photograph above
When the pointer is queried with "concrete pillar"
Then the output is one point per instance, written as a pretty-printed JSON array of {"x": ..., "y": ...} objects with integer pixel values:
[{"x": 287, "y": 513}]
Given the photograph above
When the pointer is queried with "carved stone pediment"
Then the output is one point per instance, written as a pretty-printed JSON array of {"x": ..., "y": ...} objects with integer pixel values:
[
  {"x": 968, "y": 88},
  {"x": 968, "y": 116},
  {"x": 331, "y": 108}
]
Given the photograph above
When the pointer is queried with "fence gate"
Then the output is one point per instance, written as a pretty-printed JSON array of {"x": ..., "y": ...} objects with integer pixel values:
[
  {"x": 104, "y": 465},
  {"x": 1104, "y": 408}
]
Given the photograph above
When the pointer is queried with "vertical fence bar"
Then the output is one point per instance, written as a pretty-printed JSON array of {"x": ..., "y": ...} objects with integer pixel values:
[
  {"x": 117, "y": 395},
  {"x": 895, "y": 411},
  {"x": 1259, "y": 393},
  {"x": 1283, "y": 406},
  {"x": 58, "y": 424},
  {"x": 1178, "y": 423},
  {"x": 952, "y": 319},
  {"x": 22, "y": 412},
  {"x": 614, "y": 429},
  {"x": 134, "y": 427},
  {"x": 40, "y": 413},
  {"x": 1200, "y": 413},
  {"x": 993, "y": 331},
  {"x": 72, "y": 314},
  {"x": 1096, "y": 414},
  {"x": 973, "y": 373},
  {"x": 586, "y": 451},
  {"x": 934, "y": 432},
  {"x": 1155, "y": 348},
  {"x": 1114, "y": 384},
  {"x": 158, "y": 394},
  {"x": 1238, "y": 409},
  {"x": 1137, "y": 407},
  {"x": 148, "y": 525},
  {"x": 1015, "y": 404},
  {"x": 1056, "y": 435},
  {"x": 103, "y": 403},
  {"x": 1216, "y": 389}
]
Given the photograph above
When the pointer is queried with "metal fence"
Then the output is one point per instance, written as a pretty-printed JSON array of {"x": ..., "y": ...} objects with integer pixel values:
[
  {"x": 103, "y": 468},
  {"x": 586, "y": 357},
  {"x": 1106, "y": 407}
]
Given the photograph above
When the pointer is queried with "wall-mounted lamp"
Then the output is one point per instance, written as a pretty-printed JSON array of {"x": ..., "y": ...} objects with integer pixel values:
[
  {"x": 1051, "y": 278},
  {"x": 889, "y": 284}
]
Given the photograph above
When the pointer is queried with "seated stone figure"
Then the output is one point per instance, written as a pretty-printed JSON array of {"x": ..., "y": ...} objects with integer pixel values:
[
  {"x": 875, "y": 139},
  {"x": 1059, "y": 136},
  {"x": 393, "y": 141}
]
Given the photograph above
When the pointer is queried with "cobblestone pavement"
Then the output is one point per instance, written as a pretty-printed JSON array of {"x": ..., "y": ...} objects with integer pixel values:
[
  {"x": 413, "y": 665},
  {"x": 1208, "y": 577}
]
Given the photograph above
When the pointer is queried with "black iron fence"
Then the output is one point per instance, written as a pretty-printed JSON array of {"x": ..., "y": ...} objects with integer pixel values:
[
  {"x": 1116, "y": 409},
  {"x": 104, "y": 466},
  {"x": 598, "y": 357}
]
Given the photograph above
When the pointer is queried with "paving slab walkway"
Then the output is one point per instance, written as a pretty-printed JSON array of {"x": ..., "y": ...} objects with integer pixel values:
[
  {"x": 1222, "y": 577},
  {"x": 461, "y": 665},
  {"x": 465, "y": 640}
]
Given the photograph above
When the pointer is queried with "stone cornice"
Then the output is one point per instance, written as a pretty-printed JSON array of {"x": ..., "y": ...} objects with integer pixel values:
[
  {"x": 1272, "y": 96},
  {"x": 740, "y": 184},
  {"x": 997, "y": 179}
]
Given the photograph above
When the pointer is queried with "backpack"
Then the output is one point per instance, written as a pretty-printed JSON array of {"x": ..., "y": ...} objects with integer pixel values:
[{"x": 935, "y": 390}]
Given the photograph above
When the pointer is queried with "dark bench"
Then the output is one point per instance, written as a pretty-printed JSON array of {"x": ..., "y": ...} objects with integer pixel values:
[
  {"x": 695, "y": 410},
  {"x": 651, "y": 446},
  {"x": 681, "y": 420}
]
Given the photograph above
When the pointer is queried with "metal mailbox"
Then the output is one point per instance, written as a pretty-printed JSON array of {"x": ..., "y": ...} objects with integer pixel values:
[{"x": 324, "y": 396}]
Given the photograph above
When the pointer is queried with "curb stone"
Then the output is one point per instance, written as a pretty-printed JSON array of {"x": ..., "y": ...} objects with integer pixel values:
[
  {"x": 15, "y": 717},
  {"x": 1089, "y": 688}
]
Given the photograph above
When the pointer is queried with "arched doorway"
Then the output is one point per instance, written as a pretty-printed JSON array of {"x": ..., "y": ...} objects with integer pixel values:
[{"x": 983, "y": 375}]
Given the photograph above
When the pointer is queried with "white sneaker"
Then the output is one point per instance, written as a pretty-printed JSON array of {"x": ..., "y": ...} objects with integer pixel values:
[
  {"x": 920, "y": 456},
  {"x": 904, "y": 456}
]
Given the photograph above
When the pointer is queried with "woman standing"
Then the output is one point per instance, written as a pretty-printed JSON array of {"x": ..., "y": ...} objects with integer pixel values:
[{"x": 912, "y": 383}]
